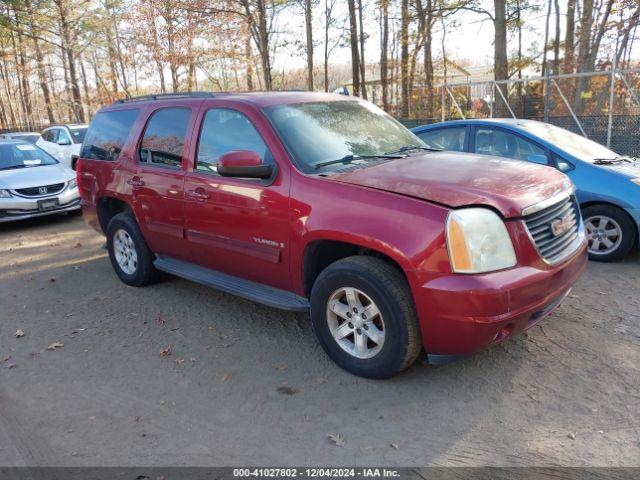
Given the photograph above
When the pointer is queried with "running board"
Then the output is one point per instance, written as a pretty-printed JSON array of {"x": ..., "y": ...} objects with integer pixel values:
[{"x": 256, "y": 292}]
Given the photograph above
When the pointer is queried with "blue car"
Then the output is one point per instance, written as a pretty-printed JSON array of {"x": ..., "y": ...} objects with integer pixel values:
[{"x": 607, "y": 184}]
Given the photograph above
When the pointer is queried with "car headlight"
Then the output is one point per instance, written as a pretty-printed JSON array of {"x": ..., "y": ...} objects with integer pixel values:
[
  {"x": 73, "y": 183},
  {"x": 636, "y": 181},
  {"x": 478, "y": 241},
  {"x": 5, "y": 194}
]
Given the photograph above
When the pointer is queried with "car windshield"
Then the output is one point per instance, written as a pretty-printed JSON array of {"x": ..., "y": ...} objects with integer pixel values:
[
  {"x": 320, "y": 134},
  {"x": 78, "y": 134},
  {"x": 576, "y": 145},
  {"x": 23, "y": 155}
]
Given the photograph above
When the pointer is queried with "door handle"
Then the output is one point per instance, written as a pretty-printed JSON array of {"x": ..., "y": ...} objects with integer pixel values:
[
  {"x": 135, "y": 182},
  {"x": 198, "y": 194}
]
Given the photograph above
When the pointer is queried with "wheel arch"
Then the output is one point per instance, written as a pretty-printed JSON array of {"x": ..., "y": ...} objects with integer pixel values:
[
  {"x": 593, "y": 203},
  {"x": 321, "y": 252},
  {"x": 107, "y": 207}
]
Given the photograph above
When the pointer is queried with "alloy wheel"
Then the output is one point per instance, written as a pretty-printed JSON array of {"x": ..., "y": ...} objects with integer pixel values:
[
  {"x": 603, "y": 234},
  {"x": 355, "y": 322},
  {"x": 125, "y": 252}
]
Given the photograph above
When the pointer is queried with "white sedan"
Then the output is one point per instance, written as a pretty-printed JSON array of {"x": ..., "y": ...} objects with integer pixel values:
[{"x": 33, "y": 183}]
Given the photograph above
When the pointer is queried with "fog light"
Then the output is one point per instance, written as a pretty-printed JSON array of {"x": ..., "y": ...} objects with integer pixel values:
[{"x": 503, "y": 333}]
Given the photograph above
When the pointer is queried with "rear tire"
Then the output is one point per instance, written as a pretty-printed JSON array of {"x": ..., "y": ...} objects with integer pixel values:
[
  {"x": 129, "y": 254},
  {"x": 610, "y": 232},
  {"x": 375, "y": 346}
]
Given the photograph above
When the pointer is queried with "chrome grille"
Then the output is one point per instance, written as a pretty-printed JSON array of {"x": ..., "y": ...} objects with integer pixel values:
[
  {"x": 40, "y": 191},
  {"x": 555, "y": 228}
]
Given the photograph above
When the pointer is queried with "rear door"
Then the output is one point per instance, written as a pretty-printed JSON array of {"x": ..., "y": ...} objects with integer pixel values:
[
  {"x": 157, "y": 177},
  {"x": 234, "y": 225}
]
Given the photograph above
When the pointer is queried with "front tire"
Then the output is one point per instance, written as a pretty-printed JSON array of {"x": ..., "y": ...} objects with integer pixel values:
[
  {"x": 364, "y": 317},
  {"x": 610, "y": 232},
  {"x": 129, "y": 254}
]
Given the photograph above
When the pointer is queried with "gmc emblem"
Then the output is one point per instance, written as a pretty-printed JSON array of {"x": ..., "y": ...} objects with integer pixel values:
[
  {"x": 561, "y": 225},
  {"x": 42, "y": 190}
]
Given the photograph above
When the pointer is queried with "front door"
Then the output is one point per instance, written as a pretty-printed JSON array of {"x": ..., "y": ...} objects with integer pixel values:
[
  {"x": 234, "y": 225},
  {"x": 157, "y": 177}
]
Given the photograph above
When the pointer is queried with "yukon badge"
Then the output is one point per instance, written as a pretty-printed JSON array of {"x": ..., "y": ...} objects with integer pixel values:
[{"x": 561, "y": 225}]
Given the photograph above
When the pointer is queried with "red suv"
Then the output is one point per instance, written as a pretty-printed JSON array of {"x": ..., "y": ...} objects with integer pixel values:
[{"x": 323, "y": 203}]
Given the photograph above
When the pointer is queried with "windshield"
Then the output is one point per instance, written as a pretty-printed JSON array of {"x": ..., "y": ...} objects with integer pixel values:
[
  {"x": 78, "y": 134},
  {"x": 320, "y": 132},
  {"x": 23, "y": 155},
  {"x": 576, "y": 145}
]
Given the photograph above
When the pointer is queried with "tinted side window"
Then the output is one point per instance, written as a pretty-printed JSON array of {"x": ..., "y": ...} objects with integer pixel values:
[
  {"x": 163, "y": 140},
  {"x": 450, "y": 138},
  {"x": 107, "y": 134},
  {"x": 224, "y": 131},
  {"x": 489, "y": 141}
]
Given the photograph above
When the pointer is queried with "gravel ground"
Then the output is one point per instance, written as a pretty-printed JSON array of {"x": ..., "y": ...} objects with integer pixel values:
[{"x": 179, "y": 374}]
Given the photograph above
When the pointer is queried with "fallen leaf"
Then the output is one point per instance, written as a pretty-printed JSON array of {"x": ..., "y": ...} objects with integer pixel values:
[
  {"x": 337, "y": 440},
  {"x": 19, "y": 333},
  {"x": 160, "y": 321},
  {"x": 52, "y": 279},
  {"x": 78, "y": 245},
  {"x": 5, "y": 359},
  {"x": 533, "y": 398},
  {"x": 55, "y": 345},
  {"x": 9, "y": 365},
  {"x": 393, "y": 445},
  {"x": 572, "y": 435},
  {"x": 225, "y": 377},
  {"x": 281, "y": 368},
  {"x": 179, "y": 361},
  {"x": 320, "y": 380},
  {"x": 211, "y": 329},
  {"x": 165, "y": 352},
  {"x": 286, "y": 390}
]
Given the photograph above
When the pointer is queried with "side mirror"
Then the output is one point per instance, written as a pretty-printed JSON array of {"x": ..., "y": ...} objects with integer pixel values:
[
  {"x": 243, "y": 164},
  {"x": 537, "y": 158},
  {"x": 74, "y": 162},
  {"x": 64, "y": 141}
]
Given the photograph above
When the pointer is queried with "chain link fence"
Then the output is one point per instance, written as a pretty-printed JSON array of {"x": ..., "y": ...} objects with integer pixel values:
[{"x": 603, "y": 106}]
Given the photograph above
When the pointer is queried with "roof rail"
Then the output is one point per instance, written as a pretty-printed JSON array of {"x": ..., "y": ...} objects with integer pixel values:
[{"x": 160, "y": 96}]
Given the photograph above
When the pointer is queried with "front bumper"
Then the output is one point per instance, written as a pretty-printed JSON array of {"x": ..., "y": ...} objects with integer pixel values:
[
  {"x": 20, "y": 208},
  {"x": 462, "y": 314}
]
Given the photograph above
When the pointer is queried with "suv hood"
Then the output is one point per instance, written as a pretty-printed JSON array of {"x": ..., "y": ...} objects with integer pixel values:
[
  {"x": 34, "y": 176},
  {"x": 461, "y": 179}
]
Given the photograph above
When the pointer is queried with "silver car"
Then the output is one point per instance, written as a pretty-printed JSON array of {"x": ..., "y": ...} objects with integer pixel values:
[{"x": 33, "y": 183}]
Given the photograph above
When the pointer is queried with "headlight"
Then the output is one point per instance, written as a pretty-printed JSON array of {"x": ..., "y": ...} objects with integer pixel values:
[
  {"x": 478, "y": 241},
  {"x": 636, "y": 181},
  {"x": 5, "y": 194},
  {"x": 73, "y": 183}
]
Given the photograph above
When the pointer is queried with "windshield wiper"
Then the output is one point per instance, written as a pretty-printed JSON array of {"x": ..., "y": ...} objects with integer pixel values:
[
  {"x": 611, "y": 161},
  {"x": 13, "y": 167},
  {"x": 351, "y": 158},
  {"x": 407, "y": 148}
]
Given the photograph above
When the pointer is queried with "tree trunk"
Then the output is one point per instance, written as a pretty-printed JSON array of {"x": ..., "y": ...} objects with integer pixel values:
[
  {"x": 327, "y": 24},
  {"x": 363, "y": 83},
  {"x": 355, "y": 55},
  {"x": 384, "y": 52},
  {"x": 42, "y": 77},
  {"x": 501, "y": 63},
  {"x": 249, "y": 62},
  {"x": 569, "y": 36},
  {"x": 556, "y": 41},
  {"x": 545, "y": 44},
  {"x": 404, "y": 59},
  {"x": 309, "y": 28},
  {"x": 70, "y": 60}
]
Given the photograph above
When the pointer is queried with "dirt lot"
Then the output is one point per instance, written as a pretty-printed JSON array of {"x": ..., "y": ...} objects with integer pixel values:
[{"x": 567, "y": 393}]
